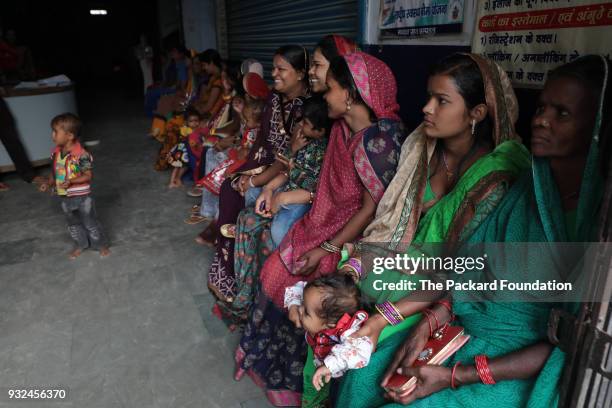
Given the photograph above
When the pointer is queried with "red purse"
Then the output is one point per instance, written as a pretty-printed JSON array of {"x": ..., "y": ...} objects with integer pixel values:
[{"x": 444, "y": 343}]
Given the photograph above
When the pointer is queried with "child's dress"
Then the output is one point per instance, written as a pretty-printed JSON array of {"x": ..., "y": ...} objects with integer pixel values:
[
  {"x": 213, "y": 180},
  {"x": 335, "y": 348},
  {"x": 179, "y": 153}
]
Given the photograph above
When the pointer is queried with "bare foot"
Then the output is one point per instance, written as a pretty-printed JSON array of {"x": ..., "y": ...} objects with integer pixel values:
[
  {"x": 104, "y": 252},
  {"x": 75, "y": 254},
  {"x": 171, "y": 185}
]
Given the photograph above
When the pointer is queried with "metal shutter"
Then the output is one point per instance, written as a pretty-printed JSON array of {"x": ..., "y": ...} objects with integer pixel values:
[{"x": 256, "y": 28}]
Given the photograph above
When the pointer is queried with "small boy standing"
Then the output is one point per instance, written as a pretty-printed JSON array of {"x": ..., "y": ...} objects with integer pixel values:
[{"x": 71, "y": 175}]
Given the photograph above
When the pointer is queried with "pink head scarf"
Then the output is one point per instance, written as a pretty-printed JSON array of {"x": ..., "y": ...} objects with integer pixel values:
[
  {"x": 344, "y": 46},
  {"x": 376, "y": 84}
]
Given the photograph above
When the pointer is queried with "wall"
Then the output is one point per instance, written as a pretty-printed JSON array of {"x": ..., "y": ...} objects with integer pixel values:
[
  {"x": 410, "y": 60},
  {"x": 199, "y": 24}
]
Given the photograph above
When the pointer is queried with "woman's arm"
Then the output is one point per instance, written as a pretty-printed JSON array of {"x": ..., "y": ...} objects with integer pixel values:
[
  {"x": 355, "y": 226},
  {"x": 351, "y": 230},
  {"x": 299, "y": 196},
  {"x": 215, "y": 94},
  {"x": 521, "y": 364}
]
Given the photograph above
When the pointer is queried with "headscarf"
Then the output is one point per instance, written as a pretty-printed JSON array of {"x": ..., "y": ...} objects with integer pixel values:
[
  {"x": 366, "y": 159},
  {"x": 344, "y": 46},
  {"x": 376, "y": 84},
  {"x": 399, "y": 211},
  {"x": 251, "y": 65},
  {"x": 255, "y": 86}
]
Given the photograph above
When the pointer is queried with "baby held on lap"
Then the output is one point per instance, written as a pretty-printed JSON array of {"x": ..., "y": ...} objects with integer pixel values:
[{"x": 328, "y": 309}]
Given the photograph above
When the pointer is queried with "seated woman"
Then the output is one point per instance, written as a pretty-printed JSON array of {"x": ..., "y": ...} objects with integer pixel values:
[
  {"x": 508, "y": 357},
  {"x": 278, "y": 205},
  {"x": 359, "y": 162},
  {"x": 205, "y": 99},
  {"x": 172, "y": 71},
  {"x": 466, "y": 151},
  {"x": 282, "y": 112}
]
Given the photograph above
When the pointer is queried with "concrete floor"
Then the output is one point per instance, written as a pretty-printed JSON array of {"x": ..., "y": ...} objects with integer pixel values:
[{"x": 130, "y": 330}]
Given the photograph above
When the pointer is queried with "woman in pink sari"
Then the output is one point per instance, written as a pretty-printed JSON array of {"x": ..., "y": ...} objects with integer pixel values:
[{"x": 359, "y": 163}]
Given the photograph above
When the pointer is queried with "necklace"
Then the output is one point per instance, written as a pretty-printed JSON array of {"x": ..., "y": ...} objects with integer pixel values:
[{"x": 449, "y": 174}]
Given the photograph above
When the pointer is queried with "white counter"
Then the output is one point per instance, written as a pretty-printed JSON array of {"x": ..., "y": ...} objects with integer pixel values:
[{"x": 33, "y": 110}]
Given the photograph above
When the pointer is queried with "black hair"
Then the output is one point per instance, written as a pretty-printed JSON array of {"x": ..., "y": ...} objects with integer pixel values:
[
  {"x": 191, "y": 112},
  {"x": 342, "y": 74},
  {"x": 70, "y": 122},
  {"x": 589, "y": 70},
  {"x": 470, "y": 84},
  {"x": 315, "y": 110},
  {"x": 327, "y": 46},
  {"x": 234, "y": 75},
  {"x": 297, "y": 56},
  {"x": 182, "y": 50},
  {"x": 340, "y": 295},
  {"x": 210, "y": 56}
]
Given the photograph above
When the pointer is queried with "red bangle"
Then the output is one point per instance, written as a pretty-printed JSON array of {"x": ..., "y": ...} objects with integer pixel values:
[
  {"x": 435, "y": 318},
  {"x": 426, "y": 313},
  {"x": 482, "y": 367},
  {"x": 448, "y": 306},
  {"x": 453, "y": 385}
]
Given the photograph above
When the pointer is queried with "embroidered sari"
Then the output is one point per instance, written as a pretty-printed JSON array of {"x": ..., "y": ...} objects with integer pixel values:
[
  {"x": 272, "y": 351},
  {"x": 277, "y": 123},
  {"x": 400, "y": 225}
]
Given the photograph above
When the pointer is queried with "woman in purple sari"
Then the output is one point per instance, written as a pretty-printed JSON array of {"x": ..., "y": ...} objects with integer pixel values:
[{"x": 282, "y": 112}]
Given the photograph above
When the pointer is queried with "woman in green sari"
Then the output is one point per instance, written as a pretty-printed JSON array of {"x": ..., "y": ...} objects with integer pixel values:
[
  {"x": 557, "y": 201},
  {"x": 465, "y": 151}
]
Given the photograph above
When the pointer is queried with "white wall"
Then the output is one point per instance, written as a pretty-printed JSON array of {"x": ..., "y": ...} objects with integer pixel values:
[
  {"x": 199, "y": 24},
  {"x": 371, "y": 35}
]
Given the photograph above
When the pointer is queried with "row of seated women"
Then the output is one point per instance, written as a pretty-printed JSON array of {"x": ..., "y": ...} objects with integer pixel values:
[{"x": 295, "y": 217}]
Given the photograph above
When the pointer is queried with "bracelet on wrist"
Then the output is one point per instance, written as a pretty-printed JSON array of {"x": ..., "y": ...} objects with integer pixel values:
[
  {"x": 329, "y": 247},
  {"x": 453, "y": 372},
  {"x": 251, "y": 182},
  {"x": 482, "y": 368},
  {"x": 390, "y": 312}
]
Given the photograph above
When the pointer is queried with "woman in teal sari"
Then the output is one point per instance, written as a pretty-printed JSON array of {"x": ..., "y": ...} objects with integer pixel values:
[
  {"x": 465, "y": 152},
  {"x": 557, "y": 201}
]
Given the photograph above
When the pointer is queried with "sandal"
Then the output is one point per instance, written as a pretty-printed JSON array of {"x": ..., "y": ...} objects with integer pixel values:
[
  {"x": 195, "y": 192},
  {"x": 195, "y": 209},
  {"x": 196, "y": 219},
  {"x": 4, "y": 187},
  {"x": 228, "y": 230}
]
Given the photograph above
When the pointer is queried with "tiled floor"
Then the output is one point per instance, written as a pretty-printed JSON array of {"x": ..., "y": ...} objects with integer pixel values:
[{"x": 131, "y": 330}]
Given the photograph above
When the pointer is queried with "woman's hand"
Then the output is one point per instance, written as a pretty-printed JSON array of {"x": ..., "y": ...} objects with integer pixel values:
[
  {"x": 310, "y": 261},
  {"x": 298, "y": 140},
  {"x": 238, "y": 104},
  {"x": 294, "y": 316},
  {"x": 321, "y": 377},
  {"x": 372, "y": 329},
  {"x": 277, "y": 200},
  {"x": 265, "y": 197},
  {"x": 243, "y": 184},
  {"x": 408, "y": 352},
  {"x": 430, "y": 379}
]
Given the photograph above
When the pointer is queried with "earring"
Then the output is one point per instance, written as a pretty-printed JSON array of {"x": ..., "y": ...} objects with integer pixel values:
[
  {"x": 473, "y": 126},
  {"x": 348, "y": 105}
]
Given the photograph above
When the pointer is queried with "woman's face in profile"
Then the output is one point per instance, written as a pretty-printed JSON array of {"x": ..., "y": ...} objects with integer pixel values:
[
  {"x": 445, "y": 113},
  {"x": 336, "y": 97},
  {"x": 562, "y": 125},
  {"x": 318, "y": 72}
]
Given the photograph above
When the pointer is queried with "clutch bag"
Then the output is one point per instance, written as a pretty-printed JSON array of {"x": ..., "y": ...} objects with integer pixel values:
[{"x": 438, "y": 349}]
